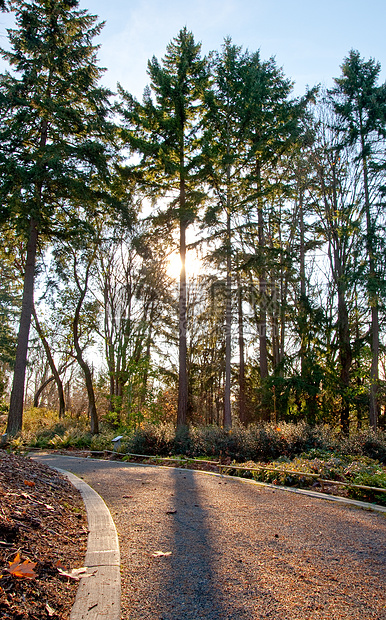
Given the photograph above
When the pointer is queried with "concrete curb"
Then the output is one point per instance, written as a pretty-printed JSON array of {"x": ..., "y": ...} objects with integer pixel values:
[
  {"x": 309, "y": 493},
  {"x": 330, "y": 498},
  {"x": 324, "y": 496},
  {"x": 98, "y": 596}
]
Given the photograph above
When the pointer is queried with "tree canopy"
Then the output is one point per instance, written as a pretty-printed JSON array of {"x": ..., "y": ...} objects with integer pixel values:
[{"x": 281, "y": 200}]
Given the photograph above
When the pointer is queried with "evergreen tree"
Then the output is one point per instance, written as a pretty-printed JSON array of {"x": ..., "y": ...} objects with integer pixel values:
[
  {"x": 336, "y": 205},
  {"x": 223, "y": 141},
  {"x": 273, "y": 122},
  {"x": 165, "y": 132},
  {"x": 53, "y": 138},
  {"x": 360, "y": 105}
]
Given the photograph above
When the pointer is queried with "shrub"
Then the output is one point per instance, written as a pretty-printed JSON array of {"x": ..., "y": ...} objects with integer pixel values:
[
  {"x": 366, "y": 443},
  {"x": 258, "y": 442},
  {"x": 371, "y": 479},
  {"x": 152, "y": 439}
]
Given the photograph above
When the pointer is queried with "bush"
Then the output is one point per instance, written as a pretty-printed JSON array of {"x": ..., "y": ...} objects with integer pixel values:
[
  {"x": 371, "y": 479},
  {"x": 152, "y": 439},
  {"x": 366, "y": 443},
  {"x": 42, "y": 429},
  {"x": 263, "y": 442},
  {"x": 257, "y": 442}
]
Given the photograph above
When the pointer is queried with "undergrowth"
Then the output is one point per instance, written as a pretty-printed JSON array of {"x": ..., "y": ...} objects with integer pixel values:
[
  {"x": 348, "y": 469},
  {"x": 258, "y": 442}
]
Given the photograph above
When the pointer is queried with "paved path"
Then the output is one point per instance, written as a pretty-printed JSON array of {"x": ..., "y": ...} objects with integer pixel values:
[{"x": 236, "y": 551}]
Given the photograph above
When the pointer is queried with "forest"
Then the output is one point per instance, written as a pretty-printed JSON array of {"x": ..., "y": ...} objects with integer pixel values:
[{"x": 213, "y": 254}]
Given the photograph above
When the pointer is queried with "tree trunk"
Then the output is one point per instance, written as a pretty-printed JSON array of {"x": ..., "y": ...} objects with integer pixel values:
[
  {"x": 262, "y": 286},
  {"x": 92, "y": 410},
  {"x": 302, "y": 290},
  {"x": 111, "y": 391},
  {"x": 15, "y": 416},
  {"x": 41, "y": 389},
  {"x": 373, "y": 298},
  {"x": 345, "y": 352},
  {"x": 345, "y": 356},
  {"x": 58, "y": 381},
  {"x": 149, "y": 339},
  {"x": 242, "y": 411},
  {"x": 182, "y": 344},
  {"x": 263, "y": 349},
  {"x": 228, "y": 317},
  {"x": 49, "y": 380},
  {"x": 374, "y": 371}
]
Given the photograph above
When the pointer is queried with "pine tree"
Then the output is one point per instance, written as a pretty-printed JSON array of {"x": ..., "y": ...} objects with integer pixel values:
[
  {"x": 336, "y": 201},
  {"x": 223, "y": 149},
  {"x": 53, "y": 138}
]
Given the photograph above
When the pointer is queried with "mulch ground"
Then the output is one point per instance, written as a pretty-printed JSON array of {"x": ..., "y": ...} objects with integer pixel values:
[{"x": 43, "y": 526}]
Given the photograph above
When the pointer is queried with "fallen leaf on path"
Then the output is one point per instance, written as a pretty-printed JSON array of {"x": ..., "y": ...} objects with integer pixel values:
[
  {"x": 24, "y": 570},
  {"x": 158, "y": 554},
  {"x": 75, "y": 573}
]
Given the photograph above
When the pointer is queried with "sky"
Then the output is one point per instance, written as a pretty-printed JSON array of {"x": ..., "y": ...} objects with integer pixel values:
[{"x": 308, "y": 38}]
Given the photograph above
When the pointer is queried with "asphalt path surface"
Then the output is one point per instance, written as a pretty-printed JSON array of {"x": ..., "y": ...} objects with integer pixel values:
[{"x": 203, "y": 547}]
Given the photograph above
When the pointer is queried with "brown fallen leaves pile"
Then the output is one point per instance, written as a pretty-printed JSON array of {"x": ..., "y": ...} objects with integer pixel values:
[{"x": 43, "y": 537}]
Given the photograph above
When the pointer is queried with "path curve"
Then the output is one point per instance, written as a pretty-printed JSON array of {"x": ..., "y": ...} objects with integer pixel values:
[
  {"x": 99, "y": 596},
  {"x": 202, "y": 547}
]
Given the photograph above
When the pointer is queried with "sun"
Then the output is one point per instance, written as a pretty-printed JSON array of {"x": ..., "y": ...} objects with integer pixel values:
[{"x": 193, "y": 265}]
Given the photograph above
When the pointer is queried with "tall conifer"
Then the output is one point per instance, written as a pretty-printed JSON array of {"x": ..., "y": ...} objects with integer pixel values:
[
  {"x": 53, "y": 138},
  {"x": 224, "y": 139},
  {"x": 164, "y": 131},
  {"x": 360, "y": 104},
  {"x": 273, "y": 125}
]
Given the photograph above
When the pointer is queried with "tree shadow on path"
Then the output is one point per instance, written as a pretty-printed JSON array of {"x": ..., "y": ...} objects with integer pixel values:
[{"x": 191, "y": 589}]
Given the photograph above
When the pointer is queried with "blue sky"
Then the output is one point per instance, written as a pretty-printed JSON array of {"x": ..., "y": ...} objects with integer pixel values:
[{"x": 309, "y": 38}]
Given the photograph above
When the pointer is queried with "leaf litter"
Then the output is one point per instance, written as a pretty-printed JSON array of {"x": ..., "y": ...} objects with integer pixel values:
[{"x": 40, "y": 528}]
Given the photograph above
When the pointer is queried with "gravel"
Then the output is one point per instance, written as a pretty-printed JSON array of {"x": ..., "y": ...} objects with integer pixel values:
[{"x": 236, "y": 551}]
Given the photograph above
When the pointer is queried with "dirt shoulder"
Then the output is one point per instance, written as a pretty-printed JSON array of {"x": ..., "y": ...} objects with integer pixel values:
[{"x": 43, "y": 521}]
